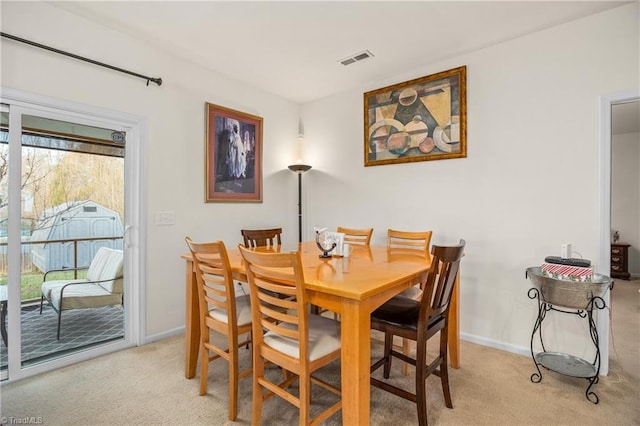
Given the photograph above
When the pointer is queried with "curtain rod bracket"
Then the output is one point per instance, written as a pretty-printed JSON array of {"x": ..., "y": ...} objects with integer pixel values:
[{"x": 157, "y": 81}]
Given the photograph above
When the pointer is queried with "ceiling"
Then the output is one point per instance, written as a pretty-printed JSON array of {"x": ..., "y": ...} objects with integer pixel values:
[{"x": 294, "y": 48}]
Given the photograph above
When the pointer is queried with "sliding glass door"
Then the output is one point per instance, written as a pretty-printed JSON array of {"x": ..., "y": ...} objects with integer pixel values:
[{"x": 63, "y": 200}]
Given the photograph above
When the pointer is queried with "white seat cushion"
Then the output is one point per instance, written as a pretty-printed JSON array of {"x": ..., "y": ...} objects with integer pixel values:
[
  {"x": 414, "y": 293},
  {"x": 80, "y": 295},
  {"x": 55, "y": 285},
  {"x": 324, "y": 338},
  {"x": 243, "y": 311}
]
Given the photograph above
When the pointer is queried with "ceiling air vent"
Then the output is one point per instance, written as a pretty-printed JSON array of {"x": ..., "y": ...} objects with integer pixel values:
[{"x": 357, "y": 57}]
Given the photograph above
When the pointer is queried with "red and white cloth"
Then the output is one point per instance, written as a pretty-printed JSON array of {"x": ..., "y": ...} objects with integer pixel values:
[{"x": 567, "y": 270}]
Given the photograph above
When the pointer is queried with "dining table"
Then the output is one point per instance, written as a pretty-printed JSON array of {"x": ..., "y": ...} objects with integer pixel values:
[{"x": 353, "y": 287}]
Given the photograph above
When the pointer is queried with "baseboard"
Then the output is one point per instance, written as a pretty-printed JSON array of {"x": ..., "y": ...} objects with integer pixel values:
[
  {"x": 164, "y": 335},
  {"x": 520, "y": 350}
]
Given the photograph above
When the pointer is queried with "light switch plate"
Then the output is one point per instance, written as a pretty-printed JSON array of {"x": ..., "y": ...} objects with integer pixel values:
[{"x": 165, "y": 218}]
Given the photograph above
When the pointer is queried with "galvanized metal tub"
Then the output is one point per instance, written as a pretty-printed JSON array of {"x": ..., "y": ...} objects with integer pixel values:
[{"x": 570, "y": 294}]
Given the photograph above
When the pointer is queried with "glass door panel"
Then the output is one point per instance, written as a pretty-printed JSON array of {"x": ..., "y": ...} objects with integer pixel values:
[{"x": 71, "y": 197}]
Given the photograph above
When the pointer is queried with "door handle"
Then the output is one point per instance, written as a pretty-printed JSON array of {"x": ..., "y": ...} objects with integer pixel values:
[{"x": 125, "y": 236}]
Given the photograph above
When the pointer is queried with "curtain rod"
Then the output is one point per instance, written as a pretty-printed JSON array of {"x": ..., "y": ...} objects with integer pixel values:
[{"x": 157, "y": 81}]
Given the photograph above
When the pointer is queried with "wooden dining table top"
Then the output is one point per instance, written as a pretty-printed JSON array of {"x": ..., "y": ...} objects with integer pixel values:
[{"x": 367, "y": 271}]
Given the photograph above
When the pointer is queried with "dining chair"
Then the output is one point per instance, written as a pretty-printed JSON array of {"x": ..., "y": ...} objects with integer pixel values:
[
  {"x": 360, "y": 237},
  {"x": 221, "y": 311},
  {"x": 419, "y": 320},
  {"x": 409, "y": 243},
  {"x": 287, "y": 334},
  {"x": 261, "y": 237}
]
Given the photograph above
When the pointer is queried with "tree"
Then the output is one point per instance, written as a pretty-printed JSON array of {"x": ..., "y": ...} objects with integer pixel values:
[{"x": 54, "y": 177}]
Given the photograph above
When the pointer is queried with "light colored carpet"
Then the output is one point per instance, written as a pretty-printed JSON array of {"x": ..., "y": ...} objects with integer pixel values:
[
  {"x": 624, "y": 345},
  {"x": 146, "y": 386}
]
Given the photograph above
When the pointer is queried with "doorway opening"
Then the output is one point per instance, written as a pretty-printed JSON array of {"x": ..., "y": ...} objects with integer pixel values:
[{"x": 605, "y": 238}]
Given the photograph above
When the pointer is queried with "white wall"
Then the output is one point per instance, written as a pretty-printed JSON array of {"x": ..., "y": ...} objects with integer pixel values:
[
  {"x": 175, "y": 126},
  {"x": 532, "y": 124},
  {"x": 529, "y": 182},
  {"x": 625, "y": 193}
]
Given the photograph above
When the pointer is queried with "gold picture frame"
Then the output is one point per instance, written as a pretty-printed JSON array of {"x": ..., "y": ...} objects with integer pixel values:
[
  {"x": 233, "y": 156},
  {"x": 419, "y": 120}
]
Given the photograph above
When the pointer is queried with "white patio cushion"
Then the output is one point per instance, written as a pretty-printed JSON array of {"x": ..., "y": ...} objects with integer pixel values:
[
  {"x": 243, "y": 311},
  {"x": 55, "y": 285},
  {"x": 324, "y": 338},
  {"x": 81, "y": 295},
  {"x": 98, "y": 263},
  {"x": 112, "y": 269}
]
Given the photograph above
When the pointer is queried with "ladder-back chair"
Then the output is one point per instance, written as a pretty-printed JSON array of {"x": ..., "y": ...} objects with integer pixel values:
[{"x": 221, "y": 311}]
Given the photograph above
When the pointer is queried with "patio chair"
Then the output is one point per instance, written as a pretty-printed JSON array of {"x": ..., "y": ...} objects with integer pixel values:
[{"x": 103, "y": 285}]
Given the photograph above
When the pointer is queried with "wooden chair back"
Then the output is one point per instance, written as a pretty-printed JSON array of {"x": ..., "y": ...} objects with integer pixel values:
[
  {"x": 412, "y": 242},
  {"x": 360, "y": 237},
  {"x": 261, "y": 237},
  {"x": 214, "y": 280},
  {"x": 279, "y": 302},
  {"x": 436, "y": 295}
]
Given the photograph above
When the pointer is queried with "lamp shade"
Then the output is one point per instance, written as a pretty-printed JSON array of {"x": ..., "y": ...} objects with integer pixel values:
[{"x": 299, "y": 168}]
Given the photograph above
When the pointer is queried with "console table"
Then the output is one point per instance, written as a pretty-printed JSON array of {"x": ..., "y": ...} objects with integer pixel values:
[{"x": 570, "y": 297}]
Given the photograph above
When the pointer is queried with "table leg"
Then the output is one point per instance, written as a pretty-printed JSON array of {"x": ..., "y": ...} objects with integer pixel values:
[
  {"x": 454, "y": 325},
  {"x": 192, "y": 324},
  {"x": 356, "y": 359}
]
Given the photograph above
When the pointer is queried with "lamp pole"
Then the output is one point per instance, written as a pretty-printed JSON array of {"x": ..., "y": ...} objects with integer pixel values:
[{"x": 299, "y": 169}]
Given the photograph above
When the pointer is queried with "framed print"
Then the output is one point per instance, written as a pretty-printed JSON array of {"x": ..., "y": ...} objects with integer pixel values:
[
  {"x": 418, "y": 120},
  {"x": 233, "y": 156}
]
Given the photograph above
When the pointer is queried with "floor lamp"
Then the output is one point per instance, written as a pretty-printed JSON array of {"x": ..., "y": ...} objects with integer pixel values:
[{"x": 299, "y": 169}]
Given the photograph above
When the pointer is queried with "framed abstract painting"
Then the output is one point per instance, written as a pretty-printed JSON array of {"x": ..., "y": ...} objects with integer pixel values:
[
  {"x": 233, "y": 156},
  {"x": 418, "y": 120}
]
